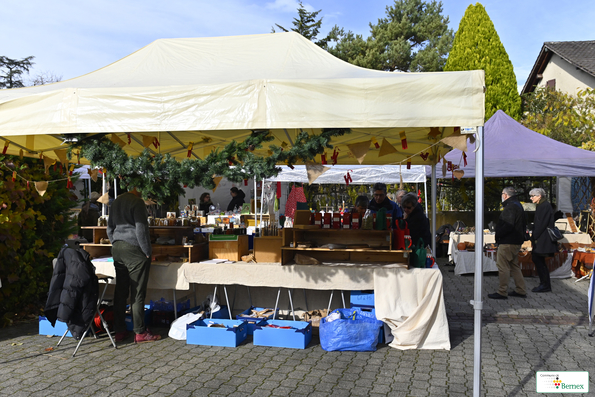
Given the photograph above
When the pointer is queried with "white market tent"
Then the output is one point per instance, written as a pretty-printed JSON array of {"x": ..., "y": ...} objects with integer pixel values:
[
  {"x": 213, "y": 90},
  {"x": 360, "y": 174}
]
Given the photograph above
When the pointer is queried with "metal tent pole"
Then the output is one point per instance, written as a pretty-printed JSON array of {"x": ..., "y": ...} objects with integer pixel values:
[
  {"x": 433, "y": 209},
  {"x": 103, "y": 206},
  {"x": 477, "y": 302}
]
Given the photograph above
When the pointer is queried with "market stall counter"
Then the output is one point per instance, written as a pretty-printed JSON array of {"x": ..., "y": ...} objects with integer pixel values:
[
  {"x": 410, "y": 301},
  {"x": 464, "y": 260}
]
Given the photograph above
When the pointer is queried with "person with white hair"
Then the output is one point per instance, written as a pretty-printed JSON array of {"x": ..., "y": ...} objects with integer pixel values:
[{"x": 543, "y": 246}]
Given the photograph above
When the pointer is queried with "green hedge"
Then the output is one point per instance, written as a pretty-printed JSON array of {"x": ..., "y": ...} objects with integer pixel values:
[{"x": 32, "y": 231}]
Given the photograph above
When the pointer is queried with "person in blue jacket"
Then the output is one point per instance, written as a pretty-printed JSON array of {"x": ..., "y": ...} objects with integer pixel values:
[{"x": 381, "y": 200}]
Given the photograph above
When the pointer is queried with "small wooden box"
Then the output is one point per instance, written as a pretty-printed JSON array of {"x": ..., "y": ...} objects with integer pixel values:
[
  {"x": 268, "y": 249},
  {"x": 302, "y": 217},
  {"x": 232, "y": 250}
]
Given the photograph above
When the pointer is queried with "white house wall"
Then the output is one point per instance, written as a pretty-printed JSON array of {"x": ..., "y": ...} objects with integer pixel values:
[{"x": 568, "y": 78}]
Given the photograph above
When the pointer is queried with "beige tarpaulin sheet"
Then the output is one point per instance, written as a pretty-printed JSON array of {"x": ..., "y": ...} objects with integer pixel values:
[
  {"x": 411, "y": 302},
  {"x": 213, "y": 90}
]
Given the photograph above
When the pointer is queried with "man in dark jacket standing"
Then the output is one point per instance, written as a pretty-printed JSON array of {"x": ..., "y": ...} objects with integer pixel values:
[{"x": 510, "y": 235}]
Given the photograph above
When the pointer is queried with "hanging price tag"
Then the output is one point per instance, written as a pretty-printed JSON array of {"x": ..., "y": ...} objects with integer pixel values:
[
  {"x": 190, "y": 146},
  {"x": 5, "y": 147}
]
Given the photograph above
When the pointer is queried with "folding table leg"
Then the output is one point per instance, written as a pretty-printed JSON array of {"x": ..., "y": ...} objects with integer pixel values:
[
  {"x": 291, "y": 304},
  {"x": 306, "y": 300}
]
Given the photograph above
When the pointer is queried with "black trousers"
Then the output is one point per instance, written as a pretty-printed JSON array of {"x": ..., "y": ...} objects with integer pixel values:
[{"x": 542, "y": 270}]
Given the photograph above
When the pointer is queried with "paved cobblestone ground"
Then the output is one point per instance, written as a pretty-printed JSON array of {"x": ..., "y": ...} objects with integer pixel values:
[{"x": 545, "y": 332}]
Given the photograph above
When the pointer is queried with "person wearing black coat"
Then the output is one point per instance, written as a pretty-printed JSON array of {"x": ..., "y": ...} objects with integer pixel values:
[
  {"x": 543, "y": 246},
  {"x": 419, "y": 225},
  {"x": 74, "y": 290},
  {"x": 510, "y": 236},
  {"x": 237, "y": 198}
]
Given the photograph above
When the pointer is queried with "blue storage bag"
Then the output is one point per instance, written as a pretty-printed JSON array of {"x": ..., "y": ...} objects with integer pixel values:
[{"x": 355, "y": 330}]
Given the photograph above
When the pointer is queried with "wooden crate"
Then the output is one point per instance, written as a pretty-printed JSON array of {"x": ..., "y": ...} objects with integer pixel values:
[
  {"x": 268, "y": 249},
  {"x": 232, "y": 250}
]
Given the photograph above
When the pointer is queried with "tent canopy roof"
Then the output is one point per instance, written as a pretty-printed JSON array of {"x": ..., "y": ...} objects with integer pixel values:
[
  {"x": 213, "y": 90},
  {"x": 511, "y": 149},
  {"x": 359, "y": 174}
]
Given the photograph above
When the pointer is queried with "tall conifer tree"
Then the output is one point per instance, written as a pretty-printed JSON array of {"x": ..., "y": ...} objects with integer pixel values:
[{"x": 478, "y": 46}]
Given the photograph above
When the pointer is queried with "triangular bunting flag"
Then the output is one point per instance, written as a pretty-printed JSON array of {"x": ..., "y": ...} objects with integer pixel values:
[
  {"x": 41, "y": 187},
  {"x": 216, "y": 180},
  {"x": 47, "y": 162},
  {"x": 360, "y": 150},
  {"x": 116, "y": 139},
  {"x": 104, "y": 199},
  {"x": 93, "y": 173},
  {"x": 314, "y": 170},
  {"x": 386, "y": 148},
  {"x": 61, "y": 153},
  {"x": 457, "y": 141},
  {"x": 147, "y": 140}
]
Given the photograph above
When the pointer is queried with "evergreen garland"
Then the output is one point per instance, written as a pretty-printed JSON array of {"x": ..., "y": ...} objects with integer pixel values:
[{"x": 160, "y": 176}]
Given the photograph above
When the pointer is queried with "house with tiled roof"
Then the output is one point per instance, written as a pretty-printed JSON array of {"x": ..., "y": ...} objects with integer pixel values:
[{"x": 567, "y": 66}]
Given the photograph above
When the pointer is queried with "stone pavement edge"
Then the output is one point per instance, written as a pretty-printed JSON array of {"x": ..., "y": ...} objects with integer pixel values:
[{"x": 544, "y": 332}]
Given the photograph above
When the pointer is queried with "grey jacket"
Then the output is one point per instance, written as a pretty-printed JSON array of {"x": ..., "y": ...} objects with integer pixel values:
[{"x": 128, "y": 221}]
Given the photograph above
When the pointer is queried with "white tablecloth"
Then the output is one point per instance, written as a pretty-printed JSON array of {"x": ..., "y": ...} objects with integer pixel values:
[
  {"x": 163, "y": 275},
  {"x": 411, "y": 302}
]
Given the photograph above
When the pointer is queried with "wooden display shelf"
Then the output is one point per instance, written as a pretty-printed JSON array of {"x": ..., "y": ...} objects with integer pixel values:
[
  {"x": 380, "y": 242},
  {"x": 194, "y": 253}
]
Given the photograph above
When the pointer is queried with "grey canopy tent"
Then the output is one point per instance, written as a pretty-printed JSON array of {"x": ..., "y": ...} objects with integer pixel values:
[{"x": 512, "y": 149}]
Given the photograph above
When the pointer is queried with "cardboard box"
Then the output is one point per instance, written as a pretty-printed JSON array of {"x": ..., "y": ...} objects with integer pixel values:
[
  {"x": 302, "y": 217},
  {"x": 268, "y": 249},
  {"x": 230, "y": 250},
  {"x": 297, "y": 336},
  {"x": 252, "y": 322},
  {"x": 45, "y": 328},
  {"x": 199, "y": 333}
]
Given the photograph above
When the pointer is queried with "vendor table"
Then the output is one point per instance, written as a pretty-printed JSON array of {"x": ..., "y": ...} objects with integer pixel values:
[
  {"x": 410, "y": 301},
  {"x": 465, "y": 260}
]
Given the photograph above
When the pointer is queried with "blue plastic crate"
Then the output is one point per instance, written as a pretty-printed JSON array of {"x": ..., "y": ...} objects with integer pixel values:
[
  {"x": 222, "y": 313},
  {"x": 168, "y": 306},
  {"x": 296, "y": 337},
  {"x": 199, "y": 333},
  {"x": 45, "y": 328},
  {"x": 251, "y": 321},
  {"x": 148, "y": 318},
  {"x": 362, "y": 298}
]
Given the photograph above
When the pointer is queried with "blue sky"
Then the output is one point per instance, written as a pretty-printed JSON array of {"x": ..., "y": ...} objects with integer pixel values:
[{"x": 71, "y": 38}]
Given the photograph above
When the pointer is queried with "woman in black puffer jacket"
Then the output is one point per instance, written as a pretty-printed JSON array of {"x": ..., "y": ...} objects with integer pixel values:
[{"x": 543, "y": 246}]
